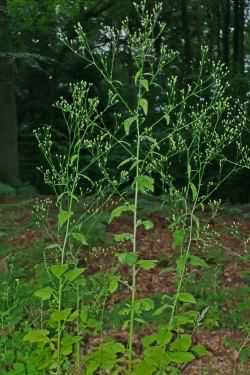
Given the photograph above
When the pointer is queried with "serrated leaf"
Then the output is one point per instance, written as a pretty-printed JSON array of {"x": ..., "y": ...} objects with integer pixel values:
[
  {"x": 128, "y": 258},
  {"x": 80, "y": 237},
  {"x": 145, "y": 183},
  {"x": 68, "y": 342},
  {"x": 180, "y": 264},
  {"x": 186, "y": 298},
  {"x": 197, "y": 261},
  {"x": 64, "y": 216},
  {"x": 186, "y": 318},
  {"x": 121, "y": 237},
  {"x": 118, "y": 211},
  {"x": 58, "y": 270},
  {"x": 143, "y": 103},
  {"x": 114, "y": 283},
  {"x": 113, "y": 347},
  {"x": 44, "y": 294},
  {"x": 144, "y": 304},
  {"x": 127, "y": 124},
  {"x": 73, "y": 274},
  {"x": 181, "y": 343},
  {"x": 84, "y": 315},
  {"x": 180, "y": 357},
  {"x": 37, "y": 336},
  {"x": 164, "y": 336},
  {"x": 73, "y": 316},
  {"x": 148, "y": 224},
  {"x": 200, "y": 350},
  {"x": 62, "y": 315},
  {"x": 147, "y": 264},
  {"x": 179, "y": 237}
]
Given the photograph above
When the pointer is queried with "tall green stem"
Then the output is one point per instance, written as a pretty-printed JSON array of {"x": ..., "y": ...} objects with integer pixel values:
[{"x": 133, "y": 285}]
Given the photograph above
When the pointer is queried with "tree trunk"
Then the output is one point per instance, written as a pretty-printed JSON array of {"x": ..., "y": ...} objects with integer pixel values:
[
  {"x": 8, "y": 119},
  {"x": 239, "y": 19},
  {"x": 226, "y": 31}
]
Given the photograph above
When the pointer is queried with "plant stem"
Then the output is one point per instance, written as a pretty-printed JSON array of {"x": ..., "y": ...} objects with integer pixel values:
[{"x": 133, "y": 286}]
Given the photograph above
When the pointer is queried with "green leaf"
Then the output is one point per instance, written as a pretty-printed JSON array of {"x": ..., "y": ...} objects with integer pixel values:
[
  {"x": 125, "y": 162},
  {"x": 67, "y": 344},
  {"x": 194, "y": 191},
  {"x": 113, "y": 347},
  {"x": 37, "y": 336},
  {"x": 186, "y": 318},
  {"x": 197, "y": 261},
  {"x": 180, "y": 264},
  {"x": 53, "y": 246},
  {"x": 179, "y": 237},
  {"x": 164, "y": 336},
  {"x": 128, "y": 258},
  {"x": 84, "y": 314},
  {"x": 146, "y": 304},
  {"x": 118, "y": 211},
  {"x": 73, "y": 274},
  {"x": 64, "y": 216},
  {"x": 186, "y": 298},
  {"x": 162, "y": 308},
  {"x": 59, "y": 269},
  {"x": 121, "y": 237},
  {"x": 144, "y": 183},
  {"x": 73, "y": 158},
  {"x": 73, "y": 316},
  {"x": 62, "y": 315},
  {"x": 200, "y": 350},
  {"x": 167, "y": 118},
  {"x": 138, "y": 74},
  {"x": 147, "y": 264},
  {"x": 44, "y": 293},
  {"x": 145, "y": 84},
  {"x": 127, "y": 124},
  {"x": 147, "y": 341},
  {"x": 114, "y": 283},
  {"x": 148, "y": 224},
  {"x": 144, "y": 368},
  {"x": 189, "y": 171},
  {"x": 180, "y": 357},
  {"x": 80, "y": 238},
  {"x": 143, "y": 103},
  {"x": 182, "y": 343}
]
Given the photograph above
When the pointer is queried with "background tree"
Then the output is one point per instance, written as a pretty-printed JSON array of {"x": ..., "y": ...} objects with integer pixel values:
[
  {"x": 45, "y": 66},
  {"x": 9, "y": 165}
]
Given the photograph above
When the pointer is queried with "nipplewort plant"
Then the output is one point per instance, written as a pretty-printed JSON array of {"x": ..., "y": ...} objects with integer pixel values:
[{"x": 190, "y": 129}]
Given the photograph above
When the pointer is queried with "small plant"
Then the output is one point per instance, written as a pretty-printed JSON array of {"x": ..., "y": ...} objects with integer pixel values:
[{"x": 214, "y": 206}]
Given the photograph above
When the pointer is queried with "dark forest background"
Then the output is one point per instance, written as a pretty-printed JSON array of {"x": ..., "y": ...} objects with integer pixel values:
[{"x": 36, "y": 67}]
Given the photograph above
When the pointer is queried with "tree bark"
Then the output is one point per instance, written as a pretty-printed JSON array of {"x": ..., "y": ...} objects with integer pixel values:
[
  {"x": 238, "y": 42},
  {"x": 9, "y": 168},
  {"x": 226, "y": 31}
]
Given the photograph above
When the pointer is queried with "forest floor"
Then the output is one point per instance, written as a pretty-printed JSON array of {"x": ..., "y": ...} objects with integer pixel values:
[{"x": 222, "y": 289}]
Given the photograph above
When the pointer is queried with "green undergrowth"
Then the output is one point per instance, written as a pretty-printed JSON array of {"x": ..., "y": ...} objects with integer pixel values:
[{"x": 223, "y": 307}]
